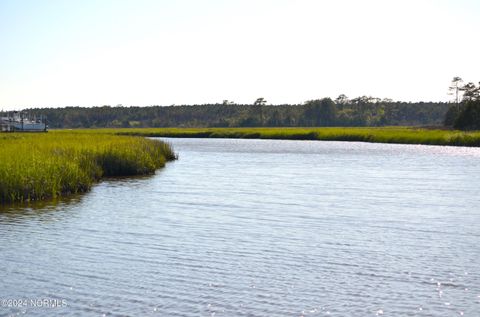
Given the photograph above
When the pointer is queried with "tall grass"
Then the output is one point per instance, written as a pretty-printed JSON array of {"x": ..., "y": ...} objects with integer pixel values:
[
  {"x": 39, "y": 166},
  {"x": 403, "y": 135}
]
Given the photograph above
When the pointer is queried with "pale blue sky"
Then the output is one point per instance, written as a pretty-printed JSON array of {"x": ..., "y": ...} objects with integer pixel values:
[{"x": 88, "y": 53}]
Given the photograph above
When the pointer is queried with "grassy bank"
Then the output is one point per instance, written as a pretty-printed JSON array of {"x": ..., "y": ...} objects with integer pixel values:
[
  {"x": 35, "y": 166},
  {"x": 402, "y": 135}
]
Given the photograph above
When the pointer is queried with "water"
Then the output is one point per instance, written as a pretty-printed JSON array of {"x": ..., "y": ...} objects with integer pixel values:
[{"x": 258, "y": 228}]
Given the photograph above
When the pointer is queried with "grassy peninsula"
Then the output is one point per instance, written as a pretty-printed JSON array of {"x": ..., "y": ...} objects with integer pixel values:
[
  {"x": 401, "y": 135},
  {"x": 36, "y": 166}
]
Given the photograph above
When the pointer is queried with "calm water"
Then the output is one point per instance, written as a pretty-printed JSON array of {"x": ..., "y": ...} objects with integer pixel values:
[{"x": 259, "y": 228}]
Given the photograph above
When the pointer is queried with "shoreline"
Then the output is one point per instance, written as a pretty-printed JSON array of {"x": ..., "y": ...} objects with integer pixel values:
[
  {"x": 37, "y": 167},
  {"x": 389, "y": 135}
]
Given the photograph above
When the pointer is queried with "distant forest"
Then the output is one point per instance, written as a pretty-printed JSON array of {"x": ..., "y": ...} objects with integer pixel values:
[{"x": 361, "y": 111}]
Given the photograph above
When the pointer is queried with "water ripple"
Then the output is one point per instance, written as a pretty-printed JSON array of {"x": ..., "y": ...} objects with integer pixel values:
[{"x": 259, "y": 228}]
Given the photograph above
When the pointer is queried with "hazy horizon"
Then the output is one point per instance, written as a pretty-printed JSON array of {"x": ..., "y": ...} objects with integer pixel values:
[{"x": 142, "y": 53}]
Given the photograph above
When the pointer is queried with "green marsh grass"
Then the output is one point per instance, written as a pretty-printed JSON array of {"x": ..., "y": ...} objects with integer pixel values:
[
  {"x": 36, "y": 166},
  {"x": 402, "y": 135}
]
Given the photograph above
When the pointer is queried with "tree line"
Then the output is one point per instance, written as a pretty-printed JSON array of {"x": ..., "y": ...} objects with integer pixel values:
[
  {"x": 465, "y": 113},
  {"x": 361, "y": 111}
]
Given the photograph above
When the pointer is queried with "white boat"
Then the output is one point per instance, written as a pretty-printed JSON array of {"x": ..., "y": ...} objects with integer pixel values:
[{"x": 19, "y": 122}]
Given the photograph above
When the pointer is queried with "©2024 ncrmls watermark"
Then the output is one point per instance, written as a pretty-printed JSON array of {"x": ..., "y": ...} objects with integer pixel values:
[{"x": 32, "y": 303}]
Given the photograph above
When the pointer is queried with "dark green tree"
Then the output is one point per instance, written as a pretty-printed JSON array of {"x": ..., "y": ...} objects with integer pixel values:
[
  {"x": 469, "y": 116},
  {"x": 451, "y": 116},
  {"x": 342, "y": 99},
  {"x": 258, "y": 112},
  {"x": 320, "y": 112},
  {"x": 470, "y": 92},
  {"x": 260, "y": 102}
]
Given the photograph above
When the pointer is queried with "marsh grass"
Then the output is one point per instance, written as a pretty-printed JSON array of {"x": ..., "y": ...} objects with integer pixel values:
[
  {"x": 48, "y": 165},
  {"x": 39, "y": 166},
  {"x": 402, "y": 135}
]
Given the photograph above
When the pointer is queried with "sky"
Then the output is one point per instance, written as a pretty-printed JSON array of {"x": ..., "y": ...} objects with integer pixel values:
[{"x": 56, "y": 53}]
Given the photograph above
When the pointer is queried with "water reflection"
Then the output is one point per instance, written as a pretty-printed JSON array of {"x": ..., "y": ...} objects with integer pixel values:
[
  {"x": 38, "y": 209},
  {"x": 42, "y": 208}
]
